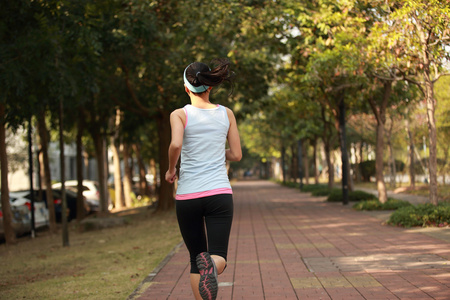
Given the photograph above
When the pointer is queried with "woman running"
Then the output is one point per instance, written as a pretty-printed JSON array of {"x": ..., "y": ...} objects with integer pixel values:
[{"x": 204, "y": 203}]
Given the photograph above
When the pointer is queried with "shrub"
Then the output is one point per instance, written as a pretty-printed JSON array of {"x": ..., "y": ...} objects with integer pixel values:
[
  {"x": 291, "y": 184},
  {"x": 422, "y": 215},
  {"x": 375, "y": 204},
  {"x": 325, "y": 191},
  {"x": 336, "y": 196},
  {"x": 393, "y": 204},
  {"x": 313, "y": 187}
]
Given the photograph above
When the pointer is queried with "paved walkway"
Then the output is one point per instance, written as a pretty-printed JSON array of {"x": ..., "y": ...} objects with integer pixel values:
[{"x": 289, "y": 245}]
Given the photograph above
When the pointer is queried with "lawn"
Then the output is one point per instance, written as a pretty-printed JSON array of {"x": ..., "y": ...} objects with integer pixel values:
[{"x": 101, "y": 264}]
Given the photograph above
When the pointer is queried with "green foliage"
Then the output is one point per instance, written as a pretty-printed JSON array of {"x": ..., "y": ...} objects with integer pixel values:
[
  {"x": 336, "y": 196},
  {"x": 375, "y": 204},
  {"x": 325, "y": 191},
  {"x": 290, "y": 184},
  {"x": 313, "y": 187},
  {"x": 422, "y": 215}
]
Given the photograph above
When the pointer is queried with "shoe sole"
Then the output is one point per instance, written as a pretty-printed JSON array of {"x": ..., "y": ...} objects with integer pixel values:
[{"x": 208, "y": 276}]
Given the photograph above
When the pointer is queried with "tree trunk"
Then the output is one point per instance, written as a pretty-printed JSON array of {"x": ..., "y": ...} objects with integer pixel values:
[
  {"x": 153, "y": 172},
  {"x": 143, "y": 186},
  {"x": 412, "y": 171},
  {"x": 361, "y": 159},
  {"x": 127, "y": 183},
  {"x": 306, "y": 161},
  {"x": 340, "y": 126},
  {"x": 283, "y": 162},
  {"x": 30, "y": 176},
  {"x": 294, "y": 164},
  {"x": 165, "y": 199},
  {"x": 391, "y": 155},
  {"x": 300, "y": 161},
  {"x": 424, "y": 53},
  {"x": 10, "y": 236},
  {"x": 431, "y": 103},
  {"x": 380, "y": 114},
  {"x": 42, "y": 129},
  {"x": 81, "y": 212},
  {"x": 118, "y": 191},
  {"x": 316, "y": 169},
  {"x": 100, "y": 156},
  {"x": 381, "y": 186},
  {"x": 65, "y": 229},
  {"x": 326, "y": 138},
  {"x": 357, "y": 161}
]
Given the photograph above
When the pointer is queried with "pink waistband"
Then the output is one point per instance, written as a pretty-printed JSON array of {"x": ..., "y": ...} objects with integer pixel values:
[{"x": 204, "y": 194}]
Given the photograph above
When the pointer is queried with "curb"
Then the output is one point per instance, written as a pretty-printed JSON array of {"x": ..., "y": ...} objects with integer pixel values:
[{"x": 141, "y": 287}]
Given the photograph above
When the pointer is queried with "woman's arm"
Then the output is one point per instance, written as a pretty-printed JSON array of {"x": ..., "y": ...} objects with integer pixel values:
[
  {"x": 234, "y": 153},
  {"x": 177, "y": 119}
]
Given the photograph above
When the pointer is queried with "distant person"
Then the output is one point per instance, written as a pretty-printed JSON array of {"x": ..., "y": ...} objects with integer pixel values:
[{"x": 200, "y": 131}]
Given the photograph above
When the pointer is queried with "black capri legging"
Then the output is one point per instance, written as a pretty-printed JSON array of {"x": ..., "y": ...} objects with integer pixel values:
[{"x": 213, "y": 214}]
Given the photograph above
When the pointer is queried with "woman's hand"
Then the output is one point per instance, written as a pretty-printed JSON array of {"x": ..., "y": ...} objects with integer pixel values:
[{"x": 171, "y": 175}]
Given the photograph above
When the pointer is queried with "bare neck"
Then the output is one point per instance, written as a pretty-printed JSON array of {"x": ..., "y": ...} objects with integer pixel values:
[{"x": 201, "y": 101}]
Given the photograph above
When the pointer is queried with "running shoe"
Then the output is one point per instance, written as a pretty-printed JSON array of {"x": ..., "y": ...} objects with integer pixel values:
[{"x": 208, "y": 285}]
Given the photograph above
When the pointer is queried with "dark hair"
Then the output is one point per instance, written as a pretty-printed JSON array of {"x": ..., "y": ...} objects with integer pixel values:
[{"x": 199, "y": 74}]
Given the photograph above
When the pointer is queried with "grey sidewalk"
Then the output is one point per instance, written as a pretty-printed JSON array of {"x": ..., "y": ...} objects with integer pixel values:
[
  {"x": 400, "y": 196},
  {"x": 288, "y": 245}
]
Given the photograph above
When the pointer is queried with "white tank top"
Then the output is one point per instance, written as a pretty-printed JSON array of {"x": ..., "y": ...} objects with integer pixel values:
[{"x": 203, "y": 169}]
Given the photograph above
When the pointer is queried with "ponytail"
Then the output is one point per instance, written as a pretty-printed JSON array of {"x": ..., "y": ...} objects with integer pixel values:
[{"x": 198, "y": 77}]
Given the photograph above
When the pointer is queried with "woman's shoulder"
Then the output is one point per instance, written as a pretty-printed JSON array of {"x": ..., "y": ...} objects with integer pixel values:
[
  {"x": 178, "y": 111},
  {"x": 229, "y": 111},
  {"x": 178, "y": 114}
]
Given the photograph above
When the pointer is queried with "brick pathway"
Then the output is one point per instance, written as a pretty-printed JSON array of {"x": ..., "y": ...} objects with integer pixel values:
[{"x": 289, "y": 245}]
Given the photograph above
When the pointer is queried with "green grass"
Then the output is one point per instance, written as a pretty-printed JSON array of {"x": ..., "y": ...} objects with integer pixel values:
[{"x": 102, "y": 264}]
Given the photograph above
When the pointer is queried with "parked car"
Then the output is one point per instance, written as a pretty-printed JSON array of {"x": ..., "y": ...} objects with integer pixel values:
[
  {"x": 71, "y": 199},
  {"x": 91, "y": 190},
  {"x": 40, "y": 207},
  {"x": 21, "y": 223}
]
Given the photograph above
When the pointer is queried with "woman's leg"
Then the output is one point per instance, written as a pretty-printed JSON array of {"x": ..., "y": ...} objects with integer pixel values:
[
  {"x": 195, "y": 280},
  {"x": 220, "y": 262},
  {"x": 218, "y": 212},
  {"x": 192, "y": 228},
  {"x": 218, "y": 219}
]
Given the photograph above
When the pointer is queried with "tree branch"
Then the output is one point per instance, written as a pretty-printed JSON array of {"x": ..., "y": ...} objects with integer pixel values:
[
  {"x": 129, "y": 108},
  {"x": 341, "y": 87},
  {"x": 418, "y": 84},
  {"x": 375, "y": 110},
  {"x": 447, "y": 38},
  {"x": 131, "y": 91},
  {"x": 381, "y": 77},
  {"x": 439, "y": 76}
]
